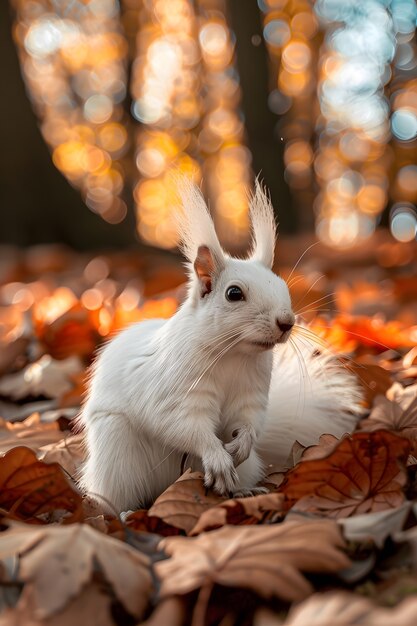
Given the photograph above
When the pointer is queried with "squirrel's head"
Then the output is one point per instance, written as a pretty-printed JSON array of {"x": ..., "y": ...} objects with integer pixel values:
[{"x": 241, "y": 300}]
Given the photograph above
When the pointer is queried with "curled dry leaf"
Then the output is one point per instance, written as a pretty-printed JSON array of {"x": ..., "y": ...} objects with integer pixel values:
[
  {"x": 295, "y": 455},
  {"x": 344, "y": 609},
  {"x": 268, "y": 559},
  {"x": 57, "y": 562},
  {"x": 326, "y": 445},
  {"x": 241, "y": 511},
  {"x": 184, "y": 501},
  {"x": 69, "y": 452},
  {"x": 391, "y": 416},
  {"x": 31, "y": 489},
  {"x": 47, "y": 377},
  {"x": 362, "y": 475},
  {"x": 32, "y": 432}
]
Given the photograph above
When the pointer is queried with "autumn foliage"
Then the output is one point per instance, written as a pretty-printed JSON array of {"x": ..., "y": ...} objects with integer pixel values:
[{"x": 333, "y": 542}]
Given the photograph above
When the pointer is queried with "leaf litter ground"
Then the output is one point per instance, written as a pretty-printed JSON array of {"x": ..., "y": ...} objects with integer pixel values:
[{"x": 334, "y": 542}]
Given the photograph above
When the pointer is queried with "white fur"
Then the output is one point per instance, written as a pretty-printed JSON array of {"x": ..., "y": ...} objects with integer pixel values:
[
  {"x": 198, "y": 383},
  {"x": 263, "y": 226}
]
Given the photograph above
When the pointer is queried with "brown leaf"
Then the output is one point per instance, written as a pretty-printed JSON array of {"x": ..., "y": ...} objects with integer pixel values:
[
  {"x": 143, "y": 522},
  {"x": 266, "y": 559},
  {"x": 375, "y": 526},
  {"x": 339, "y": 608},
  {"x": 57, "y": 562},
  {"x": 32, "y": 432},
  {"x": 391, "y": 416},
  {"x": 69, "y": 452},
  {"x": 183, "y": 502},
  {"x": 326, "y": 445},
  {"x": 170, "y": 611},
  {"x": 30, "y": 488},
  {"x": 295, "y": 455},
  {"x": 240, "y": 511},
  {"x": 91, "y": 607},
  {"x": 362, "y": 475}
]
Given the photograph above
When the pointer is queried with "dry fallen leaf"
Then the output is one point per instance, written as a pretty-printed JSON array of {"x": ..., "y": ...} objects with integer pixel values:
[
  {"x": 69, "y": 452},
  {"x": 184, "y": 501},
  {"x": 32, "y": 432},
  {"x": 57, "y": 562},
  {"x": 240, "y": 511},
  {"x": 361, "y": 475},
  {"x": 46, "y": 377},
  {"x": 326, "y": 445},
  {"x": 31, "y": 489},
  {"x": 92, "y": 606},
  {"x": 375, "y": 526},
  {"x": 143, "y": 522},
  {"x": 266, "y": 559},
  {"x": 345, "y": 609},
  {"x": 391, "y": 416}
]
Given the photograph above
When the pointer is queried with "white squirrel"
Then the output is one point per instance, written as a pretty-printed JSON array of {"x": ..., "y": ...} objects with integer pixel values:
[{"x": 217, "y": 381}]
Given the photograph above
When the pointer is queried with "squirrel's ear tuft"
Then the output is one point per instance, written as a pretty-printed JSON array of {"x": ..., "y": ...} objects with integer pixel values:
[
  {"x": 195, "y": 226},
  {"x": 263, "y": 227}
]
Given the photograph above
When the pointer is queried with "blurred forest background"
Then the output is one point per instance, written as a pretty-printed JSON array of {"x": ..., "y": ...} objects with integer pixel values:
[{"x": 101, "y": 100}]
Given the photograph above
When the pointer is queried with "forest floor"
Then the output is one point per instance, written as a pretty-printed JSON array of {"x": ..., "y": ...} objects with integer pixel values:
[{"x": 333, "y": 543}]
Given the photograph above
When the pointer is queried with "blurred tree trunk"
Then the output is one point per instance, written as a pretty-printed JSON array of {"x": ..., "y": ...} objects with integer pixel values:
[
  {"x": 260, "y": 122},
  {"x": 37, "y": 204}
]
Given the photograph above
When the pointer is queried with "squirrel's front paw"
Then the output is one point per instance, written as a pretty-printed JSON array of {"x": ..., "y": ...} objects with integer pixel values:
[
  {"x": 219, "y": 472},
  {"x": 241, "y": 445}
]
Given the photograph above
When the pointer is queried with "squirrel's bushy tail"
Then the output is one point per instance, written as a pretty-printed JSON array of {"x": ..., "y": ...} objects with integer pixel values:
[{"x": 311, "y": 394}]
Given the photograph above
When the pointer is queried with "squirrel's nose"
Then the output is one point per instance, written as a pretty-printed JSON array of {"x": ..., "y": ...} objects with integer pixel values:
[
  {"x": 285, "y": 324},
  {"x": 284, "y": 327}
]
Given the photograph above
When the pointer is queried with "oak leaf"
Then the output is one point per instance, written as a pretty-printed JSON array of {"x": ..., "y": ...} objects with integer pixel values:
[
  {"x": 267, "y": 559},
  {"x": 326, "y": 445},
  {"x": 184, "y": 501},
  {"x": 363, "y": 474},
  {"x": 57, "y": 562},
  {"x": 31, "y": 489},
  {"x": 241, "y": 511},
  {"x": 32, "y": 432}
]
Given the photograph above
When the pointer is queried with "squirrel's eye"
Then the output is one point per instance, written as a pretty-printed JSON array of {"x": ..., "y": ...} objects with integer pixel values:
[{"x": 234, "y": 294}]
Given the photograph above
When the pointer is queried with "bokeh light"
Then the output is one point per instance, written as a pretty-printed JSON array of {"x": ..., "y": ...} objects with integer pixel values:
[{"x": 343, "y": 85}]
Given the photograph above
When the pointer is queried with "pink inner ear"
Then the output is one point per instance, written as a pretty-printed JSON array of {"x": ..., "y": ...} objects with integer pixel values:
[{"x": 204, "y": 268}]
